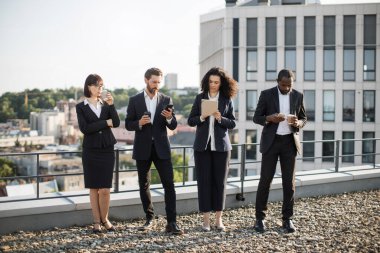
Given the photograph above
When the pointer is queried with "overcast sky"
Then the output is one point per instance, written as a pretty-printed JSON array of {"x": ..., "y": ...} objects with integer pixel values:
[{"x": 57, "y": 43}]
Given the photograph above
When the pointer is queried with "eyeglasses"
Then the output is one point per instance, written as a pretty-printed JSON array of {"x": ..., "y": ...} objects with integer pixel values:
[{"x": 98, "y": 86}]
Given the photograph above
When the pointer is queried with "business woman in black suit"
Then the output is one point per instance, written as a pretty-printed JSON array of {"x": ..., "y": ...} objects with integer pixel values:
[
  {"x": 96, "y": 118},
  {"x": 149, "y": 116},
  {"x": 281, "y": 111},
  {"x": 212, "y": 146}
]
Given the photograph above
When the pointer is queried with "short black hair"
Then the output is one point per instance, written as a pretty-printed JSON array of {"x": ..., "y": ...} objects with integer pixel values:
[
  {"x": 91, "y": 80},
  {"x": 285, "y": 73},
  {"x": 153, "y": 72}
]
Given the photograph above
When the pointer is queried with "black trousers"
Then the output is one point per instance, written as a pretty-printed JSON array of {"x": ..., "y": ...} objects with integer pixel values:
[
  {"x": 284, "y": 148},
  {"x": 212, "y": 171},
  {"x": 165, "y": 170}
]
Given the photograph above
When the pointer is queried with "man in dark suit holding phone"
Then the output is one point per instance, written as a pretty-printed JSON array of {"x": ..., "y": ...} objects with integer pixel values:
[
  {"x": 149, "y": 113},
  {"x": 282, "y": 113}
]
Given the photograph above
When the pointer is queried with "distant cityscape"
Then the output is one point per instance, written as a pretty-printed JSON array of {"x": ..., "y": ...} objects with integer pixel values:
[{"x": 55, "y": 130}]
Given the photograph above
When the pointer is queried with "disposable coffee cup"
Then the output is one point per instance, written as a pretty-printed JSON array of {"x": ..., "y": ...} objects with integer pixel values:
[
  {"x": 290, "y": 118},
  {"x": 104, "y": 95}
]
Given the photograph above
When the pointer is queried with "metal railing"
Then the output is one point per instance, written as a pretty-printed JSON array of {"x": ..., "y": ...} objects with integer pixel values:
[{"x": 242, "y": 161}]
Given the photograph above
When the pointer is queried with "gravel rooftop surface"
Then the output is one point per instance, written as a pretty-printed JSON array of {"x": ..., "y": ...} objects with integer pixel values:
[{"x": 340, "y": 223}]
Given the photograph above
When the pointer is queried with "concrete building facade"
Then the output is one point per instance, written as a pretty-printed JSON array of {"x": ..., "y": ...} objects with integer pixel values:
[
  {"x": 171, "y": 81},
  {"x": 333, "y": 50}
]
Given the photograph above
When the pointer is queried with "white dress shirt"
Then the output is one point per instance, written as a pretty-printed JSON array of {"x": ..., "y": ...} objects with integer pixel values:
[
  {"x": 284, "y": 101},
  {"x": 96, "y": 109},
  {"x": 151, "y": 104},
  {"x": 211, "y": 134}
]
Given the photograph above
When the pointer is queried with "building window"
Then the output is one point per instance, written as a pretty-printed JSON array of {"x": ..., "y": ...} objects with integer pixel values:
[
  {"x": 290, "y": 43},
  {"x": 349, "y": 42},
  {"x": 348, "y": 105},
  {"x": 309, "y": 50},
  {"x": 251, "y": 137},
  {"x": 348, "y": 147},
  {"x": 369, "y": 106},
  {"x": 290, "y": 59},
  {"x": 349, "y": 64},
  {"x": 328, "y": 105},
  {"x": 328, "y": 147},
  {"x": 251, "y": 101},
  {"x": 252, "y": 49},
  {"x": 308, "y": 148},
  {"x": 309, "y": 31},
  {"x": 329, "y": 64},
  {"x": 329, "y": 48},
  {"x": 368, "y": 148},
  {"x": 370, "y": 30},
  {"x": 271, "y": 65},
  {"x": 235, "y": 51},
  {"x": 310, "y": 104},
  {"x": 270, "y": 53},
  {"x": 369, "y": 67},
  {"x": 309, "y": 65},
  {"x": 234, "y": 137},
  {"x": 252, "y": 65},
  {"x": 369, "y": 61},
  {"x": 236, "y": 106},
  {"x": 252, "y": 32}
]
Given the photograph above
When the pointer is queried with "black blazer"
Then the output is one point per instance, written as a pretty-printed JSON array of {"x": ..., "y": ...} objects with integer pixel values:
[
  {"x": 269, "y": 104},
  {"x": 97, "y": 134},
  {"x": 222, "y": 140},
  {"x": 157, "y": 131}
]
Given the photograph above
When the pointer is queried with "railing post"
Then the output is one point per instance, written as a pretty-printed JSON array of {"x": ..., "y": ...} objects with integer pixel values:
[
  {"x": 117, "y": 171},
  {"x": 183, "y": 165},
  {"x": 337, "y": 149},
  {"x": 38, "y": 176},
  {"x": 240, "y": 196}
]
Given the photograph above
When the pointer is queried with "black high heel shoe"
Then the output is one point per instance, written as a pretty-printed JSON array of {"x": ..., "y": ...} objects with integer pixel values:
[
  {"x": 96, "y": 230},
  {"x": 110, "y": 229}
]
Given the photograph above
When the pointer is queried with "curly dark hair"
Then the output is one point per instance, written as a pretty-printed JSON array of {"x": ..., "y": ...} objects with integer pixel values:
[{"x": 228, "y": 86}]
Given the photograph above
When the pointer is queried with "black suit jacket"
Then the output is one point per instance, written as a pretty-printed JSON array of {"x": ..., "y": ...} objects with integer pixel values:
[
  {"x": 97, "y": 134},
  {"x": 143, "y": 137},
  {"x": 222, "y": 140},
  {"x": 269, "y": 104}
]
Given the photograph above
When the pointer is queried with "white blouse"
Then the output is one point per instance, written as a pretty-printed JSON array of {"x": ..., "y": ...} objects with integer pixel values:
[{"x": 96, "y": 109}]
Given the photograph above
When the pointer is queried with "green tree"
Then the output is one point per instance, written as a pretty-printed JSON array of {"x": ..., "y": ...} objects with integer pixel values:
[
  {"x": 17, "y": 143},
  {"x": 177, "y": 160},
  {"x": 7, "y": 168},
  {"x": 186, "y": 110},
  {"x": 120, "y": 97}
]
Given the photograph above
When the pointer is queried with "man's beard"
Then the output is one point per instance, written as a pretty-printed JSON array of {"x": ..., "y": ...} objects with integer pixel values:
[{"x": 152, "y": 90}]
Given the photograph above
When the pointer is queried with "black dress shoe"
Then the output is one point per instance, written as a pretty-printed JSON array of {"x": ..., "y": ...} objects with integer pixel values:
[
  {"x": 260, "y": 226},
  {"x": 172, "y": 228},
  {"x": 288, "y": 226},
  {"x": 96, "y": 230},
  {"x": 110, "y": 229},
  {"x": 148, "y": 225}
]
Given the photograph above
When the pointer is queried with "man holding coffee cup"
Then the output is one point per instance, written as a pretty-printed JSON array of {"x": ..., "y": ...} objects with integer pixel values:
[
  {"x": 282, "y": 113},
  {"x": 149, "y": 113}
]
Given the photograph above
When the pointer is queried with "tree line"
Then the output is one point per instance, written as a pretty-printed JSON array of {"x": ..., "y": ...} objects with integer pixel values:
[{"x": 19, "y": 105}]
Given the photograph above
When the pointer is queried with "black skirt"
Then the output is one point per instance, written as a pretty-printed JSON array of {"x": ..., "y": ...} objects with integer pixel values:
[{"x": 98, "y": 164}]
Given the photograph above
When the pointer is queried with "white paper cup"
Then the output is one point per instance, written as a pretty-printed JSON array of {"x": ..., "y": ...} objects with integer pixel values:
[
  {"x": 289, "y": 118},
  {"x": 104, "y": 95}
]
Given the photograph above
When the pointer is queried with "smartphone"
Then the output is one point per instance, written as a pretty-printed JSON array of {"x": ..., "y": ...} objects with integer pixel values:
[{"x": 168, "y": 106}]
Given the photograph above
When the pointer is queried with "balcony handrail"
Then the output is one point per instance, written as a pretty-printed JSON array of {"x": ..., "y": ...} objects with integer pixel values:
[{"x": 242, "y": 161}]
